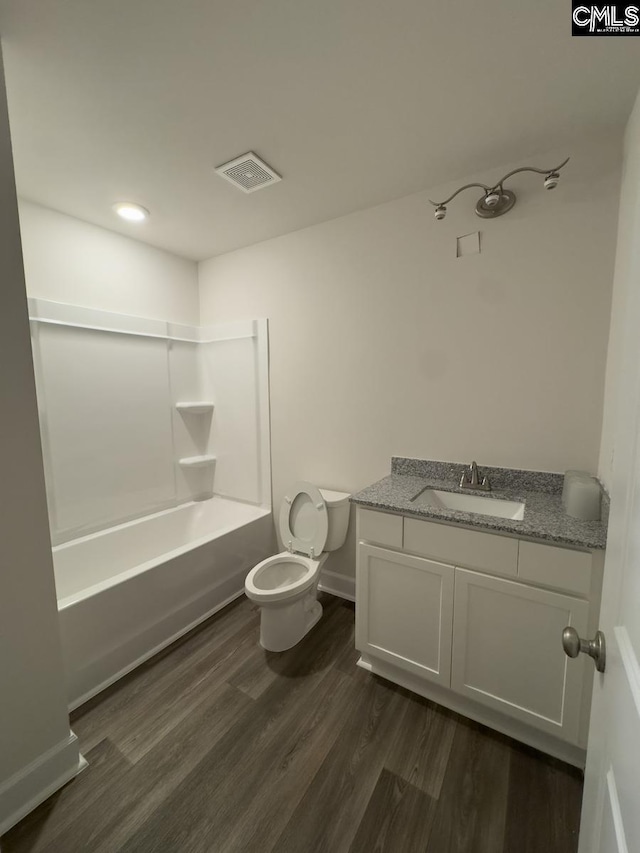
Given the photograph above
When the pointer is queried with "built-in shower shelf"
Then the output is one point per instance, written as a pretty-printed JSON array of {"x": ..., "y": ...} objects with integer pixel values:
[
  {"x": 198, "y": 408},
  {"x": 196, "y": 461}
]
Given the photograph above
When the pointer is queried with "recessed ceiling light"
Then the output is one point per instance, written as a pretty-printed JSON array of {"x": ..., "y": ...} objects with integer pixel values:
[{"x": 130, "y": 211}]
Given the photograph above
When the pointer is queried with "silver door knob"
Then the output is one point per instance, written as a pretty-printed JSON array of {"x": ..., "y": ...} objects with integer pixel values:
[{"x": 596, "y": 648}]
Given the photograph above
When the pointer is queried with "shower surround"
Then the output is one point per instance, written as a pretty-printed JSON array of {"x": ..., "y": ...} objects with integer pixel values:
[{"x": 155, "y": 441}]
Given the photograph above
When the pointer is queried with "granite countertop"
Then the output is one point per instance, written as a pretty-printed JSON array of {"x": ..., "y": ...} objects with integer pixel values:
[{"x": 541, "y": 493}]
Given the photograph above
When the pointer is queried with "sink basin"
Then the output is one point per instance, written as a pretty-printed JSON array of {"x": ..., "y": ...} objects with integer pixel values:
[{"x": 470, "y": 503}]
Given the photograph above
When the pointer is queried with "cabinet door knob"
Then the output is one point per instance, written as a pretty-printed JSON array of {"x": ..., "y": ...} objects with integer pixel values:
[{"x": 596, "y": 648}]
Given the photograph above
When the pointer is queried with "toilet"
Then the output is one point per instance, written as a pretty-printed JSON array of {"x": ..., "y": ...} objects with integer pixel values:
[{"x": 313, "y": 522}]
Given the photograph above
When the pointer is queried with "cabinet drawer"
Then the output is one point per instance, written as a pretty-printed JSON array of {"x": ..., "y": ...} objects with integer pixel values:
[
  {"x": 461, "y": 547},
  {"x": 381, "y": 527},
  {"x": 555, "y": 567}
]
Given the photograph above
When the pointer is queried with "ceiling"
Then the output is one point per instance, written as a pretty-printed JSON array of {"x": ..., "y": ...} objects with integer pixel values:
[{"x": 353, "y": 102}]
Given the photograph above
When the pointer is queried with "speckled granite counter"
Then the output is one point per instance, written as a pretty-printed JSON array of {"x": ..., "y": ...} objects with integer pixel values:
[{"x": 544, "y": 515}]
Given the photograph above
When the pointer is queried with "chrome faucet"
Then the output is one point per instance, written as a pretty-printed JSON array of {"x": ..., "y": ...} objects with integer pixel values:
[{"x": 471, "y": 480}]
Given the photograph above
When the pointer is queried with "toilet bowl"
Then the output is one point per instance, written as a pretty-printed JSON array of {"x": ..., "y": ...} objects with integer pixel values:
[{"x": 312, "y": 522}]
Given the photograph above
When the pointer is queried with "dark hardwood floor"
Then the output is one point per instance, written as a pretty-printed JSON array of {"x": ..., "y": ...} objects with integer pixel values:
[{"x": 216, "y": 746}]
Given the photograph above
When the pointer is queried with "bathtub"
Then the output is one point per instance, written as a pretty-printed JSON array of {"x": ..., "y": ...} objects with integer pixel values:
[{"x": 126, "y": 592}]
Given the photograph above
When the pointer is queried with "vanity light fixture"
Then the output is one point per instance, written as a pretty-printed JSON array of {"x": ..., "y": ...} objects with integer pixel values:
[
  {"x": 496, "y": 200},
  {"x": 130, "y": 211}
]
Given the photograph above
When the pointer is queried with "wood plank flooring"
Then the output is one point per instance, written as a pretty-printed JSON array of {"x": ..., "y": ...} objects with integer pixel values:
[{"x": 216, "y": 746}]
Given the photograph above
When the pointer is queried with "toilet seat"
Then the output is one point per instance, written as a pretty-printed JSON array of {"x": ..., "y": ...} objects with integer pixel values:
[
  {"x": 304, "y": 521},
  {"x": 281, "y": 577}
]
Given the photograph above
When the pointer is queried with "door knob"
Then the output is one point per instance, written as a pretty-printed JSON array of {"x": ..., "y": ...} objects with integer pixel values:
[{"x": 596, "y": 648}]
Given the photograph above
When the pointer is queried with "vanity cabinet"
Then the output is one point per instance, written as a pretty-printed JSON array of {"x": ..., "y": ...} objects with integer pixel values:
[
  {"x": 409, "y": 623},
  {"x": 473, "y": 620}
]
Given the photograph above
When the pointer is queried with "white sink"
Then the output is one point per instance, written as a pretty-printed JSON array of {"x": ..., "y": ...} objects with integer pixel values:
[{"x": 470, "y": 503}]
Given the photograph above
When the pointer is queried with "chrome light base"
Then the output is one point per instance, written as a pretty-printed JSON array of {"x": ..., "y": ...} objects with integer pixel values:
[{"x": 505, "y": 203}]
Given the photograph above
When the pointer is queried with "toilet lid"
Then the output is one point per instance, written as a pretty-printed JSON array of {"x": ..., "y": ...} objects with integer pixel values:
[{"x": 304, "y": 522}]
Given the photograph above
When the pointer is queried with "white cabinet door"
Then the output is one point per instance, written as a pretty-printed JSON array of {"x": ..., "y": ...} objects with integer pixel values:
[
  {"x": 507, "y": 651},
  {"x": 404, "y": 611}
]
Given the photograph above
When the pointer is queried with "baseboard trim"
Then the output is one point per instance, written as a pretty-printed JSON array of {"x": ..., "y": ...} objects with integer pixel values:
[
  {"x": 76, "y": 703},
  {"x": 542, "y": 741},
  {"x": 36, "y": 782},
  {"x": 338, "y": 585}
]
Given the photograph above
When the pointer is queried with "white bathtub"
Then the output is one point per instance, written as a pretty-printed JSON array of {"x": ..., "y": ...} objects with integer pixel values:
[{"x": 126, "y": 592}]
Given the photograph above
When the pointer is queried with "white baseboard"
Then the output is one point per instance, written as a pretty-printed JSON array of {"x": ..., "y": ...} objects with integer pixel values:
[
  {"x": 487, "y": 716},
  {"x": 32, "y": 785},
  {"x": 339, "y": 585}
]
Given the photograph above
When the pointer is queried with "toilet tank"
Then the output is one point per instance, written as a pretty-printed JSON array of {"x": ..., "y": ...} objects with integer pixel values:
[{"x": 337, "y": 504}]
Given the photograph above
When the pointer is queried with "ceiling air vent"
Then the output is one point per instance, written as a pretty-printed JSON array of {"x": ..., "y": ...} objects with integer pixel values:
[{"x": 248, "y": 172}]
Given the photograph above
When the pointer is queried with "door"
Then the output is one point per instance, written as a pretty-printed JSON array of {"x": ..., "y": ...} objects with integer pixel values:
[
  {"x": 404, "y": 611},
  {"x": 611, "y": 802},
  {"x": 506, "y": 653}
]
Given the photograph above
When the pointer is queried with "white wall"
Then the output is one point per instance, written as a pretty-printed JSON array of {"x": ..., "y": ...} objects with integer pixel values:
[
  {"x": 67, "y": 260},
  {"x": 33, "y": 707},
  {"x": 383, "y": 342},
  {"x": 625, "y": 291}
]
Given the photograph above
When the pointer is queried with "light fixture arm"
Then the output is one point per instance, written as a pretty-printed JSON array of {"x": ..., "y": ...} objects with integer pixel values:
[
  {"x": 532, "y": 169},
  {"x": 498, "y": 184},
  {"x": 465, "y": 187}
]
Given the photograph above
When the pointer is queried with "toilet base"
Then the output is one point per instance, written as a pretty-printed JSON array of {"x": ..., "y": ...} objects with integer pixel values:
[
  {"x": 315, "y": 615},
  {"x": 282, "y": 627}
]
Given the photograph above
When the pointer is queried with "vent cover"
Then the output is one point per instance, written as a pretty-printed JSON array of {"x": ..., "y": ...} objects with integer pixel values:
[{"x": 248, "y": 172}]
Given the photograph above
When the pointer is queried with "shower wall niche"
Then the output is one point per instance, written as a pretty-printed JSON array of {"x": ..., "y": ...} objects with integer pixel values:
[{"x": 140, "y": 415}]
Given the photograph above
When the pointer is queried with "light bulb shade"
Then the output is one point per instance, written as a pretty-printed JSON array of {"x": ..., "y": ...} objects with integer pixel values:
[
  {"x": 488, "y": 208},
  {"x": 441, "y": 211},
  {"x": 551, "y": 181}
]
